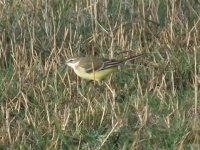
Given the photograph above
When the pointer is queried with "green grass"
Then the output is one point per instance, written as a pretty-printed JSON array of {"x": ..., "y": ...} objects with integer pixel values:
[{"x": 151, "y": 104}]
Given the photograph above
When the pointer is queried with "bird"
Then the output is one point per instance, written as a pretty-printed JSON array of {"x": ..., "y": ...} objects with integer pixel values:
[{"x": 96, "y": 68}]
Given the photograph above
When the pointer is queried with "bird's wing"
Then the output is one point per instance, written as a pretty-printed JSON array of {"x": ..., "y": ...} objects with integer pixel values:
[
  {"x": 98, "y": 64},
  {"x": 109, "y": 64},
  {"x": 92, "y": 64}
]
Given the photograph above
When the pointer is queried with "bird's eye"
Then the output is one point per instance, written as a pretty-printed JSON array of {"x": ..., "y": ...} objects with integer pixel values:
[{"x": 71, "y": 59}]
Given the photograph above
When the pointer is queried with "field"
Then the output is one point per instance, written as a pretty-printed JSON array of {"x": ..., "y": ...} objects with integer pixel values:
[{"x": 151, "y": 103}]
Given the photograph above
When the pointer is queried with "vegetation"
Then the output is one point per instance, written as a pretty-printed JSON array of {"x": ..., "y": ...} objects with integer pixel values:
[{"x": 150, "y": 104}]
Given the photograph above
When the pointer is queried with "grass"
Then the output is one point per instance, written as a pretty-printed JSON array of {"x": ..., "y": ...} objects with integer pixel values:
[{"x": 151, "y": 104}]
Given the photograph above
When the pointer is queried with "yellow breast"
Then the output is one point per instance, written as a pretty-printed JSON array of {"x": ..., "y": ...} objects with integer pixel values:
[{"x": 96, "y": 75}]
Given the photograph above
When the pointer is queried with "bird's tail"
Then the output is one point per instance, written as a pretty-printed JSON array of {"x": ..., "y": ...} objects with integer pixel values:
[
  {"x": 124, "y": 61},
  {"x": 113, "y": 63}
]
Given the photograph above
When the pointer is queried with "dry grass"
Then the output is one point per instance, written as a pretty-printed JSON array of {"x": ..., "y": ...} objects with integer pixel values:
[{"x": 153, "y": 104}]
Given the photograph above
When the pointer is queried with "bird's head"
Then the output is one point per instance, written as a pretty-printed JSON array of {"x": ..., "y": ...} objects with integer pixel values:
[{"x": 72, "y": 62}]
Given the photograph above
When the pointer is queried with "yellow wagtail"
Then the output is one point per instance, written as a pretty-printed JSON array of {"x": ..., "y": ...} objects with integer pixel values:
[{"x": 94, "y": 68}]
